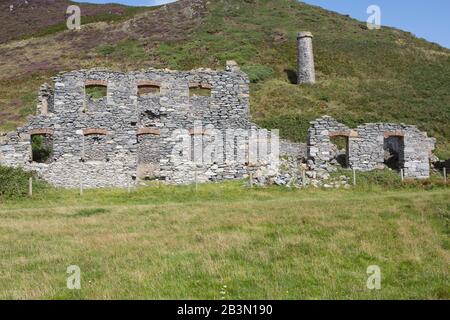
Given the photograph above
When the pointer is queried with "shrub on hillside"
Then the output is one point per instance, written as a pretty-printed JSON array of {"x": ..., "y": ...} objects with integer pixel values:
[{"x": 257, "y": 73}]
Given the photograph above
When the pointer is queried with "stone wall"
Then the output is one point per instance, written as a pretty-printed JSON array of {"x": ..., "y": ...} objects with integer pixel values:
[
  {"x": 293, "y": 149},
  {"x": 115, "y": 140},
  {"x": 367, "y": 145}
]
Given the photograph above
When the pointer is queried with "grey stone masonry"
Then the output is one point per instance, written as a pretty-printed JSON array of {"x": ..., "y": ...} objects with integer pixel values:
[
  {"x": 133, "y": 134},
  {"x": 368, "y": 144},
  {"x": 293, "y": 149},
  {"x": 306, "y": 68}
]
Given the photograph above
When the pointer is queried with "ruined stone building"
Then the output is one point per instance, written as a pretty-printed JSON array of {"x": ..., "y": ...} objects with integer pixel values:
[
  {"x": 100, "y": 128},
  {"x": 370, "y": 146},
  {"x": 129, "y": 127}
]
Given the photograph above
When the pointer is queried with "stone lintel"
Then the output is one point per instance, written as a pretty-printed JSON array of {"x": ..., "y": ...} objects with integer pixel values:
[
  {"x": 203, "y": 85},
  {"x": 347, "y": 133},
  {"x": 41, "y": 131},
  {"x": 396, "y": 133},
  {"x": 103, "y": 83},
  {"x": 151, "y": 131},
  {"x": 91, "y": 131},
  {"x": 152, "y": 83}
]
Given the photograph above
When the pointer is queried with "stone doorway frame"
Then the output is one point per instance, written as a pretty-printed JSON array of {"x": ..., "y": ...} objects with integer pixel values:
[{"x": 400, "y": 135}]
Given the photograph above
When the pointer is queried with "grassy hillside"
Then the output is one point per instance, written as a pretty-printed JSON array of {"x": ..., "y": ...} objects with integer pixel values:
[
  {"x": 363, "y": 75},
  {"x": 173, "y": 243}
]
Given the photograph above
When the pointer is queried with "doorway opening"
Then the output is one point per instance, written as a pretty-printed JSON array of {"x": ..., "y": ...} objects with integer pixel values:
[
  {"x": 340, "y": 152},
  {"x": 394, "y": 150}
]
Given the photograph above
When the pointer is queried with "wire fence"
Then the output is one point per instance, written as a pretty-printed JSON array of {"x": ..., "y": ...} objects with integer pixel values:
[{"x": 26, "y": 187}]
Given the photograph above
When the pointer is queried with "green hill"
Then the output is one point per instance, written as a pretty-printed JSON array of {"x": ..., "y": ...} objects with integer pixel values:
[{"x": 363, "y": 75}]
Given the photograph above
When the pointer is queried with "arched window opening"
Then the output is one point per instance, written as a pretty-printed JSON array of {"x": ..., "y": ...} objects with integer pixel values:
[
  {"x": 96, "y": 89},
  {"x": 95, "y": 92}
]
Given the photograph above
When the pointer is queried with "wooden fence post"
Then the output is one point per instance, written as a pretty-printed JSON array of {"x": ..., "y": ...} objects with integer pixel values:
[
  {"x": 445, "y": 174},
  {"x": 251, "y": 179},
  {"x": 195, "y": 177},
  {"x": 354, "y": 176},
  {"x": 402, "y": 174},
  {"x": 81, "y": 187},
  {"x": 303, "y": 177},
  {"x": 30, "y": 187}
]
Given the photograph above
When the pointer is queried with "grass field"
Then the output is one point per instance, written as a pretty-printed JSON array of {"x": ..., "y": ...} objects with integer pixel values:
[{"x": 226, "y": 242}]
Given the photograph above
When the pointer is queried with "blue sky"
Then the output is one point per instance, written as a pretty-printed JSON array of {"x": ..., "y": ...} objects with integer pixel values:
[{"x": 429, "y": 19}]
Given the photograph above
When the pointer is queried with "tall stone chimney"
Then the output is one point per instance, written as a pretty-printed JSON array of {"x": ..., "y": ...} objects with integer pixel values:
[{"x": 306, "y": 71}]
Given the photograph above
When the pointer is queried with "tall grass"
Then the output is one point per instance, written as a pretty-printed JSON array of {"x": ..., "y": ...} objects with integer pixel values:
[{"x": 174, "y": 243}]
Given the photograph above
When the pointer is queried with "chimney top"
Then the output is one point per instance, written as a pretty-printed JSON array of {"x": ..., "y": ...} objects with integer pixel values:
[{"x": 304, "y": 34}]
